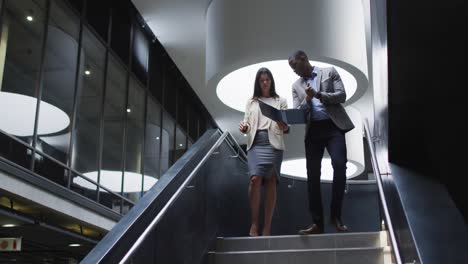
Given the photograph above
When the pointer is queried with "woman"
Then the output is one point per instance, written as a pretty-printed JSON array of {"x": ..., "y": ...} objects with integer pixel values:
[{"x": 265, "y": 147}]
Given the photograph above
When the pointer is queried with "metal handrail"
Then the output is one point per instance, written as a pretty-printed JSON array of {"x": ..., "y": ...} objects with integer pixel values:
[
  {"x": 375, "y": 166},
  {"x": 64, "y": 166},
  {"x": 234, "y": 146},
  {"x": 163, "y": 211}
]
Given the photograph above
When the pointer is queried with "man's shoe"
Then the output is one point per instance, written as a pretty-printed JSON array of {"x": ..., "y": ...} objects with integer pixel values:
[
  {"x": 340, "y": 227},
  {"x": 313, "y": 229}
]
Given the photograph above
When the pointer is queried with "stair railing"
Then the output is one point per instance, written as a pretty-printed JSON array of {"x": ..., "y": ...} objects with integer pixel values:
[{"x": 383, "y": 199}]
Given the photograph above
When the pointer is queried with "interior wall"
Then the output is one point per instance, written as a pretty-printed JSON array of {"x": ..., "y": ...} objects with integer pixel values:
[{"x": 426, "y": 77}]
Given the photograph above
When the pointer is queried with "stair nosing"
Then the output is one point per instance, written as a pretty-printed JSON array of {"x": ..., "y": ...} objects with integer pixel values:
[
  {"x": 294, "y": 250},
  {"x": 292, "y": 236}
]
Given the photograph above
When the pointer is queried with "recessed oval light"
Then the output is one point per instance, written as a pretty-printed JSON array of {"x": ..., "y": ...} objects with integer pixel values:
[
  {"x": 51, "y": 118},
  {"x": 237, "y": 87},
  {"x": 297, "y": 169}
]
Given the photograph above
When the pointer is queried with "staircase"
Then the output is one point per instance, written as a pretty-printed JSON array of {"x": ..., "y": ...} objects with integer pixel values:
[{"x": 342, "y": 248}]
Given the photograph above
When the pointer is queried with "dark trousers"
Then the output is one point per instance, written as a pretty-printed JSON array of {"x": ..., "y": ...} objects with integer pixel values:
[{"x": 324, "y": 134}]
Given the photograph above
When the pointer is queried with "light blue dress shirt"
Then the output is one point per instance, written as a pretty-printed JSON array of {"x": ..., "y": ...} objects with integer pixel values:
[{"x": 318, "y": 110}]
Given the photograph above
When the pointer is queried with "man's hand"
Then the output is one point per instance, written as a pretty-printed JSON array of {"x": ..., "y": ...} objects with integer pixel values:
[
  {"x": 283, "y": 126},
  {"x": 243, "y": 127},
  {"x": 310, "y": 92}
]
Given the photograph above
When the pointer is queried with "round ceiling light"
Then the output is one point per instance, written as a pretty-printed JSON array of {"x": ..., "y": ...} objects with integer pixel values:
[
  {"x": 297, "y": 169},
  {"x": 113, "y": 181},
  {"x": 237, "y": 87},
  {"x": 18, "y": 112}
]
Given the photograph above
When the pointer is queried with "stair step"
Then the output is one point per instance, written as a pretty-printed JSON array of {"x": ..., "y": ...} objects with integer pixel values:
[
  {"x": 370, "y": 255},
  {"x": 322, "y": 241}
]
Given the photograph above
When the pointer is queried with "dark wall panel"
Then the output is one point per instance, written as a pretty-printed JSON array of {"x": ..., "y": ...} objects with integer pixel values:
[{"x": 426, "y": 75}]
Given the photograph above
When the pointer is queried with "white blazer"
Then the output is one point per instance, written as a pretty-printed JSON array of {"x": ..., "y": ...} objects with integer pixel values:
[{"x": 275, "y": 134}]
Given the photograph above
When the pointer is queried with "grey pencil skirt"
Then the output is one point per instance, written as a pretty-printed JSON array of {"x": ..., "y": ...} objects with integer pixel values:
[{"x": 263, "y": 159}]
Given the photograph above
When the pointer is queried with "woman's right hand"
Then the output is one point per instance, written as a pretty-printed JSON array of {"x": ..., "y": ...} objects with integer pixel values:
[{"x": 243, "y": 127}]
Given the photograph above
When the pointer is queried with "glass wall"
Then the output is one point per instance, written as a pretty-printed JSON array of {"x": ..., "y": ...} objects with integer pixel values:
[
  {"x": 23, "y": 27},
  {"x": 58, "y": 81},
  {"x": 22, "y": 33},
  {"x": 134, "y": 140},
  {"x": 152, "y": 143},
  {"x": 90, "y": 100},
  {"x": 167, "y": 142},
  {"x": 180, "y": 143},
  {"x": 115, "y": 112}
]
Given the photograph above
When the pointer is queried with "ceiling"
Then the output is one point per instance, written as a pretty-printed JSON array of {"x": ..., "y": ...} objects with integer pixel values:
[
  {"x": 209, "y": 39},
  {"x": 46, "y": 235}
]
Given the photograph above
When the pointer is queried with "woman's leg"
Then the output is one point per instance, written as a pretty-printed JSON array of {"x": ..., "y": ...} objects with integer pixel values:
[
  {"x": 270, "y": 201},
  {"x": 254, "y": 197}
]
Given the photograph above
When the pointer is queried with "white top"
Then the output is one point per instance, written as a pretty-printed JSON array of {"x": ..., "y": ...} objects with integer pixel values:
[
  {"x": 251, "y": 116},
  {"x": 263, "y": 121}
]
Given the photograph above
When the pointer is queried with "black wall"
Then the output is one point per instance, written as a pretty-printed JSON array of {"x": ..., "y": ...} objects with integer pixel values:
[{"x": 426, "y": 55}]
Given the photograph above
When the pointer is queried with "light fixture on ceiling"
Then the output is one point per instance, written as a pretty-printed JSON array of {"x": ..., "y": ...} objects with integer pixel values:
[
  {"x": 74, "y": 245},
  {"x": 29, "y": 16},
  {"x": 129, "y": 110},
  {"x": 112, "y": 180},
  {"x": 181, "y": 145},
  {"x": 9, "y": 225},
  {"x": 14, "y": 107},
  {"x": 87, "y": 72},
  {"x": 237, "y": 87}
]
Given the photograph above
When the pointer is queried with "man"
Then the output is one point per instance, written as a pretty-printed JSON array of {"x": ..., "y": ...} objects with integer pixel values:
[{"x": 320, "y": 92}]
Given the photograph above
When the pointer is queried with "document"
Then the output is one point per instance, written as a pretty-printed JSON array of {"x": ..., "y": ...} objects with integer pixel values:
[{"x": 288, "y": 116}]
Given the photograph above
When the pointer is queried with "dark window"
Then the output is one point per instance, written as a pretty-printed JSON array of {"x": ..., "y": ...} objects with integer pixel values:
[
  {"x": 182, "y": 105},
  {"x": 156, "y": 67},
  {"x": 120, "y": 38},
  {"x": 193, "y": 118},
  {"x": 77, "y": 4},
  {"x": 15, "y": 151},
  {"x": 170, "y": 92},
  {"x": 202, "y": 126},
  {"x": 51, "y": 170},
  {"x": 97, "y": 14},
  {"x": 140, "y": 53}
]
